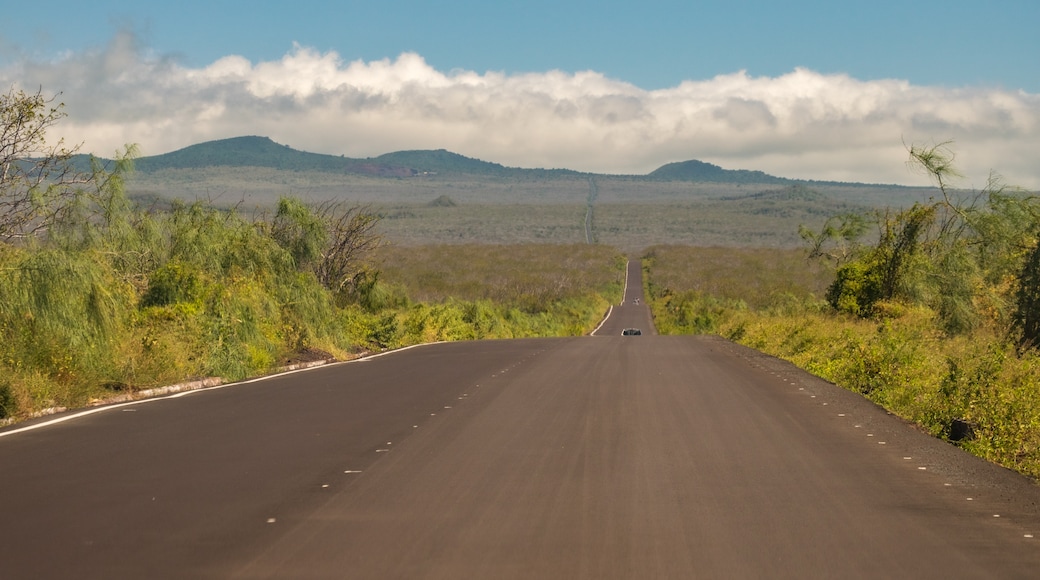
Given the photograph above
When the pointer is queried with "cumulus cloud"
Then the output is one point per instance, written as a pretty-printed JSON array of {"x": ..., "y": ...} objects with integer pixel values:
[{"x": 802, "y": 124}]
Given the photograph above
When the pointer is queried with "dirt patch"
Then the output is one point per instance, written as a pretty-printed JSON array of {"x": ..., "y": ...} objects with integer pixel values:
[{"x": 306, "y": 355}]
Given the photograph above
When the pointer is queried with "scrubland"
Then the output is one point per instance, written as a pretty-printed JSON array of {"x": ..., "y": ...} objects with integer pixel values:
[{"x": 123, "y": 299}]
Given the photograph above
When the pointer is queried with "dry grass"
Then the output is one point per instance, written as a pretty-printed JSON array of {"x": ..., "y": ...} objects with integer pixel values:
[
  {"x": 529, "y": 274},
  {"x": 755, "y": 276}
]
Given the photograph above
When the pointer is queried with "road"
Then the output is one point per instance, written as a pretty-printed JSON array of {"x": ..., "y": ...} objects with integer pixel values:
[{"x": 592, "y": 457}]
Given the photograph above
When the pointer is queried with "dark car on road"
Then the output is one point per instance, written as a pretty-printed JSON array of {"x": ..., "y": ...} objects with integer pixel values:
[{"x": 631, "y": 332}]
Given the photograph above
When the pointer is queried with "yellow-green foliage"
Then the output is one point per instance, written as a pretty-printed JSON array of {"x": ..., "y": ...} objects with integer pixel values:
[
  {"x": 903, "y": 358},
  {"x": 530, "y": 276},
  {"x": 500, "y": 291},
  {"x": 62, "y": 315},
  {"x": 219, "y": 296},
  {"x": 693, "y": 290}
]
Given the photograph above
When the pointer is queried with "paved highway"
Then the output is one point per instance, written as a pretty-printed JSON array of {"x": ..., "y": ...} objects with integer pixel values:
[{"x": 593, "y": 457}]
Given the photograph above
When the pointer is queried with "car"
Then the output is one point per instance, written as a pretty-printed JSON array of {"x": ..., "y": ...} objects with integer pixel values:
[{"x": 631, "y": 332}]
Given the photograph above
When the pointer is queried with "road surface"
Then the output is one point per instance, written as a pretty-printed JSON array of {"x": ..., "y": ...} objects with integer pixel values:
[{"x": 592, "y": 457}]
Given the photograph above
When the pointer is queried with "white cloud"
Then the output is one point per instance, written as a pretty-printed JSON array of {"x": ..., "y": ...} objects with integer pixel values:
[{"x": 802, "y": 124}]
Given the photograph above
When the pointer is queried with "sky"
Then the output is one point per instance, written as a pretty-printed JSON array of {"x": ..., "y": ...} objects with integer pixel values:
[{"x": 806, "y": 89}]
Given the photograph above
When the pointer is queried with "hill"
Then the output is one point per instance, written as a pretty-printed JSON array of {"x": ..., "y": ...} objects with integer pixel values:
[
  {"x": 255, "y": 151},
  {"x": 700, "y": 171}
]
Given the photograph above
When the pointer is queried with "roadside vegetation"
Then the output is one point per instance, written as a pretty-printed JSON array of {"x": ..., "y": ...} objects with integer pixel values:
[
  {"x": 931, "y": 311},
  {"x": 101, "y": 296}
]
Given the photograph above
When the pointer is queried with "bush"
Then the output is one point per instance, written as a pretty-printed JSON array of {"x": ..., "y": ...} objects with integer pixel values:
[
  {"x": 172, "y": 283},
  {"x": 7, "y": 404}
]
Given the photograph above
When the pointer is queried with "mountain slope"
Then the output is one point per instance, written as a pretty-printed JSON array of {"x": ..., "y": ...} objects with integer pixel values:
[
  {"x": 249, "y": 151},
  {"x": 700, "y": 171},
  {"x": 254, "y": 151}
]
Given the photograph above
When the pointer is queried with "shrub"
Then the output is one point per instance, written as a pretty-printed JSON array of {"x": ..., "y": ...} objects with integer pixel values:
[{"x": 174, "y": 282}]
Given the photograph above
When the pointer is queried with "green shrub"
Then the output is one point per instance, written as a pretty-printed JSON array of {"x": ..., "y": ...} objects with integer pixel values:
[
  {"x": 7, "y": 403},
  {"x": 172, "y": 283},
  {"x": 856, "y": 289}
]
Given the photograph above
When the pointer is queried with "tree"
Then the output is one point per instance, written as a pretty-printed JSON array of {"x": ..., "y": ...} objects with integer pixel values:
[
  {"x": 38, "y": 182},
  {"x": 885, "y": 271},
  {"x": 967, "y": 255},
  {"x": 837, "y": 241},
  {"x": 1027, "y": 302},
  {"x": 331, "y": 240},
  {"x": 352, "y": 235}
]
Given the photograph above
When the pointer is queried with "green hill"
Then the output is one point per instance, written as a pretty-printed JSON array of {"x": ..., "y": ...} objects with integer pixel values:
[
  {"x": 241, "y": 152},
  {"x": 263, "y": 152},
  {"x": 254, "y": 151},
  {"x": 701, "y": 171}
]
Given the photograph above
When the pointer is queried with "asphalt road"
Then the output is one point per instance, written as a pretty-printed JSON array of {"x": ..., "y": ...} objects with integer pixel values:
[{"x": 593, "y": 457}]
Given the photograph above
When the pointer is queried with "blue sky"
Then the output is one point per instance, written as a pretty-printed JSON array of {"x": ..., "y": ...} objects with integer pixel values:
[
  {"x": 652, "y": 44},
  {"x": 741, "y": 60}
]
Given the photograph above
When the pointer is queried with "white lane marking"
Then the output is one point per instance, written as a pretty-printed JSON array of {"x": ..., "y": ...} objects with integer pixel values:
[
  {"x": 271, "y": 520},
  {"x": 624, "y": 298},
  {"x": 93, "y": 410},
  {"x": 351, "y": 471},
  {"x": 604, "y": 321},
  {"x": 624, "y": 293}
]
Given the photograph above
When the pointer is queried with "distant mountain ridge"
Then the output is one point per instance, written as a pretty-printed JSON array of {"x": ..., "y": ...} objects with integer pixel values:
[{"x": 256, "y": 151}]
